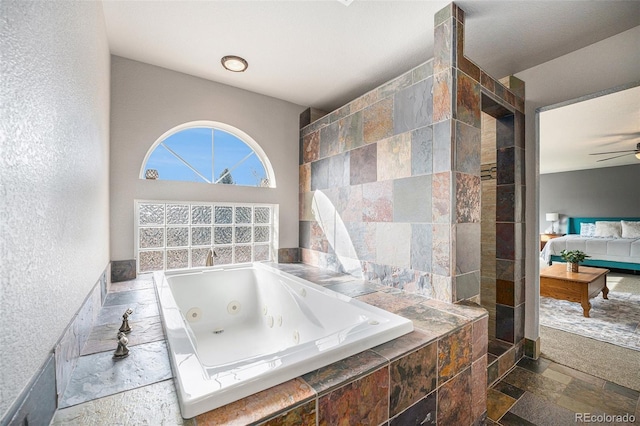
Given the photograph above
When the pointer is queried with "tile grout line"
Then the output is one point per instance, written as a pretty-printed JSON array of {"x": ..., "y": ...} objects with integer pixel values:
[{"x": 571, "y": 380}]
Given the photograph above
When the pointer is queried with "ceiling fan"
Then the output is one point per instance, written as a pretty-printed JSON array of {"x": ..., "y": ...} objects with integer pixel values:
[{"x": 626, "y": 152}]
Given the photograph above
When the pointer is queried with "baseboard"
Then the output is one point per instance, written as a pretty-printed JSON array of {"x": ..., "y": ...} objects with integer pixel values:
[
  {"x": 502, "y": 365},
  {"x": 123, "y": 270},
  {"x": 37, "y": 404},
  {"x": 532, "y": 348},
  {"x": 289, "y": 255},
  {"x": 67, "y": 350}
]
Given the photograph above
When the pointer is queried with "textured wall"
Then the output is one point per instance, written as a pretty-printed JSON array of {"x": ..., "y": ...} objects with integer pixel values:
[
  {"x": 147, "y": 101},
  {"x": 54, "y": 119},
  {"x": 612, "y": 191}
]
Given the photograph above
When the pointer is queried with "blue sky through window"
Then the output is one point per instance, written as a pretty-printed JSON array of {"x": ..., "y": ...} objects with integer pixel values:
[{"x": 194, "y": 147}]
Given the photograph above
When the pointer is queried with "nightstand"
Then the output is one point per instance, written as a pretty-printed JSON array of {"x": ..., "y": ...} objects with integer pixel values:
[{"x": 546, "y": 237}]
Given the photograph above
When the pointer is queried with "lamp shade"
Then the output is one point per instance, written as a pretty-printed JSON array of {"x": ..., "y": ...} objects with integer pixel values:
[{"x": 552, "y": 217}]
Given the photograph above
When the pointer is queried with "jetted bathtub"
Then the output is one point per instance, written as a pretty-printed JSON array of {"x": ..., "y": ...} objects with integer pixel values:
[{"x": 236, "y": 330}]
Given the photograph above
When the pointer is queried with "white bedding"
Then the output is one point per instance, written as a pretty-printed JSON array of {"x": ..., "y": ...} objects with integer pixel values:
[{"x": 612, "y": 249}]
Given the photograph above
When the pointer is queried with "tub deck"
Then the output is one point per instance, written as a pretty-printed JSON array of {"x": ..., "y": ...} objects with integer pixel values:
[{"x": 388, "y": 372}]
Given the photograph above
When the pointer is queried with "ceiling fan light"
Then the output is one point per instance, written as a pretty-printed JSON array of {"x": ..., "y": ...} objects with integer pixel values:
[
  {"x": 638, "y": 155},
  {"x": 234, "y": 63}
]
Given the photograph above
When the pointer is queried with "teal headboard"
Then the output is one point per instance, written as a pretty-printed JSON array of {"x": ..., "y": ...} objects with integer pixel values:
[{"x": 573, "y": 224}]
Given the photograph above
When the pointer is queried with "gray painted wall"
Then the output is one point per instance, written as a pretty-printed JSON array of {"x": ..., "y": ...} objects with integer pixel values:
[
  {"x": 147, "y": 101},
  {"x": 54, "y": 176},
  {"x": 611, "y": 191}
]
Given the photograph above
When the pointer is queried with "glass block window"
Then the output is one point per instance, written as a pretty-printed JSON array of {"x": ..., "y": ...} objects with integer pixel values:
[
  {"x": 207, "y": 152},
  {"x": 178, "y": 214},
  {"x": 178, "y": 235}
]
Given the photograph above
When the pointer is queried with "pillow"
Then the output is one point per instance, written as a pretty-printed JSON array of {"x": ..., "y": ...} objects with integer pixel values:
[
  {"x": 630, "y": 229},
  {"x": 609, "y": 229},
  {"x": 587, "y": 229}
]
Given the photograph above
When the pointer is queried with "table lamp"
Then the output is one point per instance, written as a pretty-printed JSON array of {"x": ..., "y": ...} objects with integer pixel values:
[{"x": 552, "y": 217}]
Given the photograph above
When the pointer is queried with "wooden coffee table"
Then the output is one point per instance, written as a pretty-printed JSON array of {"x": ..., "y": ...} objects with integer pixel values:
[{"x": 581, "y": 286}]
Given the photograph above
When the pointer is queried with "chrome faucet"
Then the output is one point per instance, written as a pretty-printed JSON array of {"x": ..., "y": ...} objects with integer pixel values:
[
  {"x": 212, "y": 253},
  {"x": 125, "y": 327},
  {"x": 122, "y": 351}
]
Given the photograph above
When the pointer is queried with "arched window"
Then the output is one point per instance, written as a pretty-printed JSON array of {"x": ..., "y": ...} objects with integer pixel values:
[{"x": 210, "y": 152}]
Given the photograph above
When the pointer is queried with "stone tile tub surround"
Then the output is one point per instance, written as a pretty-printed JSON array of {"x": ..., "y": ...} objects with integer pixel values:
[
  {"x": 437, "y": 372},
  {"x": 96, "y": 374},
  {"x": 390, "y": 183}
]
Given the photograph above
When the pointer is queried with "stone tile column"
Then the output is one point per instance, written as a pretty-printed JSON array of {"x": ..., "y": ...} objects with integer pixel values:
[
  {"x": 510, "y": 223},
  {"x": 456, "y": 161}
]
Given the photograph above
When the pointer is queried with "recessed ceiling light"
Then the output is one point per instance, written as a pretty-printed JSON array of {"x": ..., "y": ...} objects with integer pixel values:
[{"x": 234, "y": 63}]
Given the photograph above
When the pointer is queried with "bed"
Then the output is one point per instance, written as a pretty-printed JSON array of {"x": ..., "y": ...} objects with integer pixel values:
[{"x": 606, "y": 252}]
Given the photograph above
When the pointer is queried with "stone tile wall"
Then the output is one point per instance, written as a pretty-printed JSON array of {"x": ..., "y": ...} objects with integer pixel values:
[
  {"x": 366, "y": 180},
  {"x": 390, "y": 184},
  {"x": 510, "y": 223},
  {"x": 488, "y": 221},
  {"x": 391, "y": 190}
]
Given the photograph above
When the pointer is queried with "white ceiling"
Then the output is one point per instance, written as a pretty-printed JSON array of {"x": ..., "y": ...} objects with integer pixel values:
[
  {"x": 324, "y": 54},
  {"x": 607, "y": 123}
]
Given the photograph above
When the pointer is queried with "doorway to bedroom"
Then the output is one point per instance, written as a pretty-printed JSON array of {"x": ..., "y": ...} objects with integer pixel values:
[{"x": 585, "y": 204}]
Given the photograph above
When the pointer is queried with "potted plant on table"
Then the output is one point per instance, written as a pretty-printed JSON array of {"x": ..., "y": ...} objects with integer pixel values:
[{"x": 573, "y": 258}]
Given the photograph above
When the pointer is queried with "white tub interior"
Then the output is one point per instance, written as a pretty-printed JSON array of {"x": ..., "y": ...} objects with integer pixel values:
[{"x": 236, "y": 330}]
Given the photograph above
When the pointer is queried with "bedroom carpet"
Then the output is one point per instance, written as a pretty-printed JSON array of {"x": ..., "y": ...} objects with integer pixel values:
[
  {"x": 615, "y": 321},
  {"x": 609, "y": 362}
]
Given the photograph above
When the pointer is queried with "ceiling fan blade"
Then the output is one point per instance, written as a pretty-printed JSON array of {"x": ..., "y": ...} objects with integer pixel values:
[
  {"x": 622, "y": 134},
  {"x": 613, "y": 152},
  {"x": 637, "y": 150},
  {"x": 611, "y": 158}
]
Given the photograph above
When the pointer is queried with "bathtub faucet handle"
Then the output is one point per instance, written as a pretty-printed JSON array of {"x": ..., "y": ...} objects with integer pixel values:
[
  {"x": 122, "y": 351},
  {"x": 125, "y": 327},
  {"x": 210, "y": 255}
]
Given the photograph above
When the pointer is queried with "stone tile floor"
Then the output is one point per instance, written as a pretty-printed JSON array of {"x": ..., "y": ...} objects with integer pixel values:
[{"x": 543, "y": 393}]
